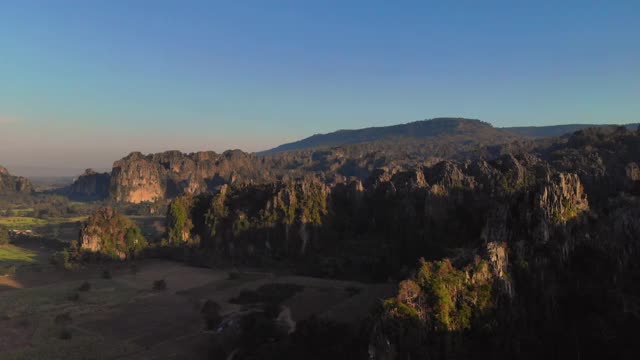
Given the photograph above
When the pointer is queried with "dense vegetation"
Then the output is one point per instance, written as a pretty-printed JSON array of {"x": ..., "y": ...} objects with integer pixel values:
[
  {"x": 112, "y": 235},
  {"x": 4, "y": 235}
]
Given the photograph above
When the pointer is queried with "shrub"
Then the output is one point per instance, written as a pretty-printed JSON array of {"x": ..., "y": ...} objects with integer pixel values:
[
  {"x": 159, "y": 285},
  {"x": 65, "y": 334},
  {"x": 7, "y": 270},
  {"x": 211, "y": 314},
  {"x": 61, "y": 259},
  {"x": 353, "y": 290},
  {"x": 63, "y": 318},
  {"x": 106, "y": 274},
  {"x": 4, "y": 236},
  {"x": 86, "y": 286},
  {"x": 74, "y": 297}
]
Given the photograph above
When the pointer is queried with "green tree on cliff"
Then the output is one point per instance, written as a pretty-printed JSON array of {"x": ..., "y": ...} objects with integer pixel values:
[
  {"x": 217, "y": 213},
  {"x": 179, "y": 224}
]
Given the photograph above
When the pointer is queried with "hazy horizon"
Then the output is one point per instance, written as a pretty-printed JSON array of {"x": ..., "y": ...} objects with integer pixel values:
[
  {"x": 84, "y": 84},
  {"x": 101, "y": 163}
]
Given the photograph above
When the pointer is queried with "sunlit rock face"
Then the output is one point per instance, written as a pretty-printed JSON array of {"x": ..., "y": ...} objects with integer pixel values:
[{"x": 135, "y": 179}]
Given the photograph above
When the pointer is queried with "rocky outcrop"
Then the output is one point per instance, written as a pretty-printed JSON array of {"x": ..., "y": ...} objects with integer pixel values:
[
  {"x": 10, "y": 185},
  {"x": 140, "y": 178},
  {"x": 90, "y": 186},
  {"x": 604, "y": 161},
  {"x": 562, "y": 198},
  {"x": 110, "y": 234},
  {"x": 136, "y": 179}
]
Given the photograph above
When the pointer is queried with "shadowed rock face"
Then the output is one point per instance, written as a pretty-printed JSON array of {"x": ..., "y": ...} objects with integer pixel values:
[
  {"x": 90, "y": 186},
  {"x": 408, "y": 211},
  {"x": 560, "y": 237},
  {"x": 10, "y": 184}
]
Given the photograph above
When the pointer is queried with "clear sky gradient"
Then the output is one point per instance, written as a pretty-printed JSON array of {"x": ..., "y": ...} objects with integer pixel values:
[{"x": 83, "y": 83}]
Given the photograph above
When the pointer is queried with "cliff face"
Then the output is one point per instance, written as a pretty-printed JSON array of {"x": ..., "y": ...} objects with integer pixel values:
[
  {"x": 138, "y": 178},
  {"x": 90, "y": 186},
  {"x": 10, "y": 184},
  {"x": 419, "y": 211}
]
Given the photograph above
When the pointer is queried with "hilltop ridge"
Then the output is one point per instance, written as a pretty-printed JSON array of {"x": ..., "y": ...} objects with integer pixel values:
[{"x": 472, "y": 129}]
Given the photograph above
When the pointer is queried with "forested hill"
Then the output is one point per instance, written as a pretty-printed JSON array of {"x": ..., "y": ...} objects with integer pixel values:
[
  {"x": 454, "y": 129},
  {"x": 559, "y": 130}
]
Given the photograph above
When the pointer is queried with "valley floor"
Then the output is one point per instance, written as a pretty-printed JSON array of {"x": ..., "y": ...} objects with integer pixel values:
[{"x": 124, "y": 318}]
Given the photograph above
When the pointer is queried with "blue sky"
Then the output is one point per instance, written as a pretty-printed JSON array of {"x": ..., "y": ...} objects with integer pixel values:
[{"x": 85, "y": 82}]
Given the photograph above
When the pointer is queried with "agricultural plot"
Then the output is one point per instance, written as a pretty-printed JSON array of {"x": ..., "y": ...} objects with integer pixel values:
[
  {"x": 125, "y": 317},
  {"x": 20, "y": 222}
]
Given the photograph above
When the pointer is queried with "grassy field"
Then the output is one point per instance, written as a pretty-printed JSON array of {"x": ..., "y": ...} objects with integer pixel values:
[
  {"x": 12, "y": 257},
  {"x": 22, "y": 212},
  {"x": 10, "y": 254},
  {"x": 20, "y": 222}
]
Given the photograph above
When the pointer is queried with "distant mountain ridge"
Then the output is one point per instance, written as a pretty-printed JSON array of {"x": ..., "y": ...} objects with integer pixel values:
[
  {"x": 432, "y": 128},
  {"x": 423, "y": 129},
  {"x": 560, "y": 130}
]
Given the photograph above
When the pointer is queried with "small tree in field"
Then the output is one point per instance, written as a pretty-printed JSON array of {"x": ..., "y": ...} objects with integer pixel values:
[{"x": 4, "y": 236}]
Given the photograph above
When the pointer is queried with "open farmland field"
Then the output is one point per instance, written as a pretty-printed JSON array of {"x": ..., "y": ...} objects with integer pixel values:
[
  {"x": 20, "y": 222},
  {"x": 124, "y": 318}
]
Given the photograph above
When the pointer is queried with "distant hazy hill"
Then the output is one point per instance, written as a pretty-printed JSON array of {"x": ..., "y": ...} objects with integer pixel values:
[
  {"x": 463, "y": 130},
  {"x": 10, "y": 184},
  {"x": 557, "y": 130},
  {"x": 454, "y": 129}
]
